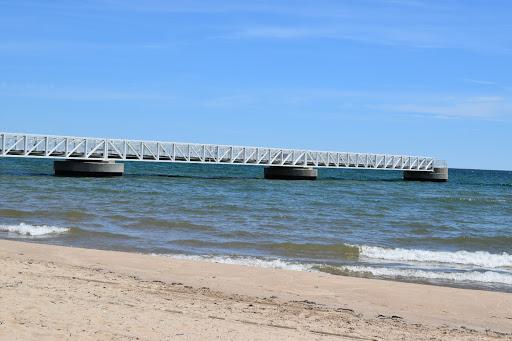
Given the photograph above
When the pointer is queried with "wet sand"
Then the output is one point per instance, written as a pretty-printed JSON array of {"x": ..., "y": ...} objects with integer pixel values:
[{"x": 58, "y": 293}]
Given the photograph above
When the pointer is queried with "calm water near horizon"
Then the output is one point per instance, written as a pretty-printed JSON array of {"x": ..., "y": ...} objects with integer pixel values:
[{"x": 348, "y": 222}]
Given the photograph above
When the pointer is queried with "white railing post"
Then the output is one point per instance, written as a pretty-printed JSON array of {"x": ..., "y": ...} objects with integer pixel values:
[
  {"x": 3, "y": 144},
  {"x": 105, "y": 150},
  {"x": 46, "y": 146}
]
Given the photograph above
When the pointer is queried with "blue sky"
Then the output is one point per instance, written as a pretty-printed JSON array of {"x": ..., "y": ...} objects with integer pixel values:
[{"x": 419, "y": 77}]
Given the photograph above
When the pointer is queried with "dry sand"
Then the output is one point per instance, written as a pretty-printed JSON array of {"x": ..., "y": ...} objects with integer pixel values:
[{"x": 58, "y": 293}]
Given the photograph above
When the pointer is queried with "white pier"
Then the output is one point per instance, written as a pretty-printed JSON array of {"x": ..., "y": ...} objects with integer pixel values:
[{"x": 102, "y": 151}]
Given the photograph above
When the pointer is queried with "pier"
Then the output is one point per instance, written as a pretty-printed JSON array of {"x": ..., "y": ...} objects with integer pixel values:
[{"x": 89, "y": 156}]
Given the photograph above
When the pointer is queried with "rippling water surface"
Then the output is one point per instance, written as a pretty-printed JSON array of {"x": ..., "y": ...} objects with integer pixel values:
[{"x": 359, "y": 223}]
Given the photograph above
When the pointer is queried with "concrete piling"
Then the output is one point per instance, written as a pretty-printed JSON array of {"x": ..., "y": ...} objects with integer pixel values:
[
  {"x": 290, "y": 173},
  {"x": 437, "y": 175},
  {"x": 88, "y": 168}
]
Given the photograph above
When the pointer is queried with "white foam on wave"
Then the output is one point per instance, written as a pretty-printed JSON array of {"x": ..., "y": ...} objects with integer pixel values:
[
  {"x": 249, "y": 261},
  {"x": 478, "y": 258},
  {"x": 394, "y": 273},
  {"x": 32, "y": 230},
  {"x": 468, "y": 276}
]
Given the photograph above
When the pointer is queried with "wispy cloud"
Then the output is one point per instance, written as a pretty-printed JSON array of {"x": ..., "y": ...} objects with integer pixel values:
[
  {"x": 411, "y": 23},
  {"x": 416, "y": 36},
  {"x": 276, "y": 32},
  {"x": 51, "y": 92},
  {"x": 38, "y": 45},
  {"x": 305, "y": 8},
  {"x": 176, "y": 6},
  {"x": 418, "y": 24},
  {"x": 414, "y": 3},
  {"x": 230, "y": 101},
  {"x": 368, "y": 34},
  {"x": 478, "y": 81},
  {"x": 353, "y": 103},
  {"x": 480, "y": 107},
  {"x": 488, "y": 84}
]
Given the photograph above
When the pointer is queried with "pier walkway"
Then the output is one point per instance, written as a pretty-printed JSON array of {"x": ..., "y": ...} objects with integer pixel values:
[{"x": 97, "y": 156}]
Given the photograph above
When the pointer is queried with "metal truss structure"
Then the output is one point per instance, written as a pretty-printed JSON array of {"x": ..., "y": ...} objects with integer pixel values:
[{"x": 99, "y": 149}]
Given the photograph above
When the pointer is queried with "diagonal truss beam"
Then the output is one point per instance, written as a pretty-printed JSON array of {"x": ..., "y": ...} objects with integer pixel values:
[{"x": 84, "y": 148}]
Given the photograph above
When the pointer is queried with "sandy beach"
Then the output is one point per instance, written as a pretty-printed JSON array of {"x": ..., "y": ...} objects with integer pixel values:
[{"x": 56, "y": 293}]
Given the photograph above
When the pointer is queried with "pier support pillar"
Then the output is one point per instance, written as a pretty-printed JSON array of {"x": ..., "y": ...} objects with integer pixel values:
[
  {"x": 290, "y": 173},
  {"x": 438, "y": 175},
  {"x": 88, "y": 168}
]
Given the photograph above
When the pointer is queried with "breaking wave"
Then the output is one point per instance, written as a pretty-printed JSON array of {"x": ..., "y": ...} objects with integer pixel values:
[
  {"x": 397, "y": 273},
  {"x": 362, "y": 271},
  {"x": 249, "y": 261},
  {"x": 32, "y": 230},
  {"x": 478, "y": 258}
]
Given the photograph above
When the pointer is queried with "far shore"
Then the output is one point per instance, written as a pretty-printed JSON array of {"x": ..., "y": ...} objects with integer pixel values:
[{"x": 61, "y": 293}]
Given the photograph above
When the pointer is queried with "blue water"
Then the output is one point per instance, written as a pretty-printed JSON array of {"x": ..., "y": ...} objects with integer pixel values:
[{"x": 358, "y": 223}]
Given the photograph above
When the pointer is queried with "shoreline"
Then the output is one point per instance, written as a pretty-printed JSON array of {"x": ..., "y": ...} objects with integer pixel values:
[
  {"x": 332, "y": 269},
  {"x": 50, "y": 292}
]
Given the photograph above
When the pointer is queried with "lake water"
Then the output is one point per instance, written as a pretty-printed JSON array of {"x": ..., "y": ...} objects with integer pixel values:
[{"x": 348, "y": 222}]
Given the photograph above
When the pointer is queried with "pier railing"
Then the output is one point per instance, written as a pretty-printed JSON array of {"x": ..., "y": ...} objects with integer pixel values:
[{"x": 99, "y": 149}]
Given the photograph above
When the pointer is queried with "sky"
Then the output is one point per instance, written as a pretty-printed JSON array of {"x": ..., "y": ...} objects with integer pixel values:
[{"x": 415, "y": 77}]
